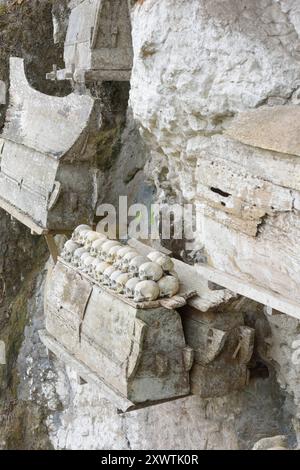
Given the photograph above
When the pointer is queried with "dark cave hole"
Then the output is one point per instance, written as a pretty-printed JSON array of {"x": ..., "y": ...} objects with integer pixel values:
[{"x": 259, "y": 370}]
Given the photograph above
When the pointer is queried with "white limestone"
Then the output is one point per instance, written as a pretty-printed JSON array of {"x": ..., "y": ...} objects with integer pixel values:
[{"x": 196, "y": 67}]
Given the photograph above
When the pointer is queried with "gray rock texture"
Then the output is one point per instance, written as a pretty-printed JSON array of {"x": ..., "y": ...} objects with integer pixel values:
[{"x": 198, "y": 64}]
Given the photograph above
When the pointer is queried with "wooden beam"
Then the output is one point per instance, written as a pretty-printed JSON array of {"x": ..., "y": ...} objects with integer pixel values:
[
  {"x": 190, "y": 280},
  {"x": 197, "y": 277},
  {"x": 49, "y": 237},
  {"x": 252, "y": 291}
]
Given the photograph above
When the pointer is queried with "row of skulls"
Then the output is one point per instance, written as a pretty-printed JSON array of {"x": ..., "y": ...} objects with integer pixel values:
[{"x": 121, "y": 267}]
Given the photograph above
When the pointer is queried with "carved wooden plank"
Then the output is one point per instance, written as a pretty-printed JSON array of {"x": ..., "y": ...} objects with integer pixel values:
[
  {"x": 263, "y": 128},
  {"x": 116, "y": 341},
  {"x": 52, "y": 246},
  {"x": 252, "y": 291},
  {"x": 85, "y": 372},
  {"x": 98, "y": 43}
]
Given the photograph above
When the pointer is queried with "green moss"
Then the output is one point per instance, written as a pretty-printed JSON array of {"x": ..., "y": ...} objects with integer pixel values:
[
  {"x": 3, "y": 10},
  {"x": 17, "y": 417},
  {"x": 13, "y": 331},
  {"x": 108, "y": 143}
]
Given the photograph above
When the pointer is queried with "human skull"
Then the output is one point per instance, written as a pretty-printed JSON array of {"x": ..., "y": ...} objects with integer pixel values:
[
  {"x": 112, "y": 253},
  {"x": 163, "y": 260},
  {"x": 76, "y": 233},
  {"x": 107, "y": 273},
  {"x": 150, "y": 271},
  {"x": 97, "y": 246},
  {"x": 93, "y": 266},
  {"x": 113, "y": 279},
  {"x": 130, "y": 287},
  {"x": 126, "y": 260},
  {"x": 168, "y": 286},
  {"x": 121, "y": 282},
  {"x": 135, "y": 263},
  {"x": 83, "y": 235},
  {"x": 99, "y": 269},
  {"x": 146, "y": 291},
  {"x": 120, "y": 255},
  {"x": 77, "y": 255},
  {"x": 83, "y": 257},
  {"x": 87, "y": 264},
  {"x": 106, "y": 248},
  {"x": 68, "y": 250},
  {"x": 91, "y": 237}
]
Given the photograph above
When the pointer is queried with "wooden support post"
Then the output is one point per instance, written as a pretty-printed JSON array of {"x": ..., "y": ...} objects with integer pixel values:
[{"x": 52, "y": 246}]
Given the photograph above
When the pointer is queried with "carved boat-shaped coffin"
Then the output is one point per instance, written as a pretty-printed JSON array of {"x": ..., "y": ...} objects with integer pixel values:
[
  {"x": 46, "y": 178},
  {"x": 136, "y": 356},
  {"x": 98, "y": 45}
]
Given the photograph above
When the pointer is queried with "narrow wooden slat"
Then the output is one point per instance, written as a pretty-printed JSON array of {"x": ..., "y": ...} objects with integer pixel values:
[{"x": 252, "y": 291}]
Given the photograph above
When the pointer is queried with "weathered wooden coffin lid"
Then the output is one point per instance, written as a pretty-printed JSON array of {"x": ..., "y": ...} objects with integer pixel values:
[
  {"x": 39, "y": 132},
  {"x": 48, "y": 124},
  {"x": 274, "y": 128},
  {"x": 98, "y": 40},
  {"x": 70, "y": 299}
]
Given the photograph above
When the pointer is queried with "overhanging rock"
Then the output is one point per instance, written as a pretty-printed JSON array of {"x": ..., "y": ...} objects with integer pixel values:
[
  {"x": 98, "y": 45},
  {"x": 46, "y": 150}
]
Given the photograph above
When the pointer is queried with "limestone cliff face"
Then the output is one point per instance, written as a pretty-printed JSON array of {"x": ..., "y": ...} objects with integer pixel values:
[
  {"x": 198, "y": 64},
  {"x": 25, "y": 31},
  {"x": 27, "y": 382}
]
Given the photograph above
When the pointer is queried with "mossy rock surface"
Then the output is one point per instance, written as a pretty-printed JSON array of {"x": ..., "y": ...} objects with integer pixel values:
[{"x": 26, "y": 31}]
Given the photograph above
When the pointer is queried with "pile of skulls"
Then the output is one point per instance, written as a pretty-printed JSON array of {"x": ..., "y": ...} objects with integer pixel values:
[{"x": 121, "y": 267}]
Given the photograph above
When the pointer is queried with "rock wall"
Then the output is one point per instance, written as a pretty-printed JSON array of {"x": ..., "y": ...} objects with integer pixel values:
[
  {"x": 197, "y": 67},
  {"x": 22, "y": 255},
  {"x": 77, "y": 417},
  {"x": 198, "y": 64},
  {"x": 24, "y": 394}
]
